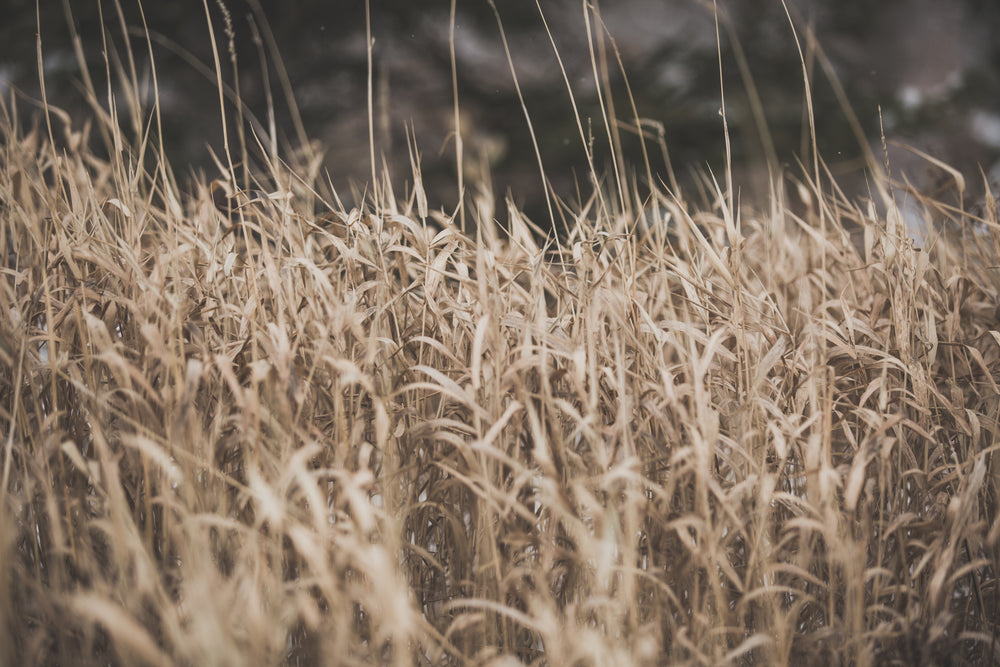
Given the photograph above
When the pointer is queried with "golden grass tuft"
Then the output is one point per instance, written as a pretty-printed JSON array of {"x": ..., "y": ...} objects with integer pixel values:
[{"x": 247, "y": 428}]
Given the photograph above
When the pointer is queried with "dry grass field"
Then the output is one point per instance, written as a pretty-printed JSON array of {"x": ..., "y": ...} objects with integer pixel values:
[{"x": 241, "y": 425}]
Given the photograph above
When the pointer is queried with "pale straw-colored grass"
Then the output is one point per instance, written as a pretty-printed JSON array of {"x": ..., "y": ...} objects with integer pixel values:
[{"x": 248, "y": 428}]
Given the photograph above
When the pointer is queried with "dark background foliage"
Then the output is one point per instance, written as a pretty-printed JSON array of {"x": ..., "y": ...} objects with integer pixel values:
[{"x": 932, "y": 68}]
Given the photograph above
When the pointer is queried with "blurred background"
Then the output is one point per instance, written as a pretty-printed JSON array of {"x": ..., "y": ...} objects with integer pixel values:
[{"x": 932, "y": 67}]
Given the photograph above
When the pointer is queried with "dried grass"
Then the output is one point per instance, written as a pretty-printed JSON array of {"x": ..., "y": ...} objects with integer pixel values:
[{"x": 247, "y": 428}]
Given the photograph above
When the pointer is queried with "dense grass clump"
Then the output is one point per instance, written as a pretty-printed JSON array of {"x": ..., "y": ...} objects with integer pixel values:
[{"x": 247, "y": 426}]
